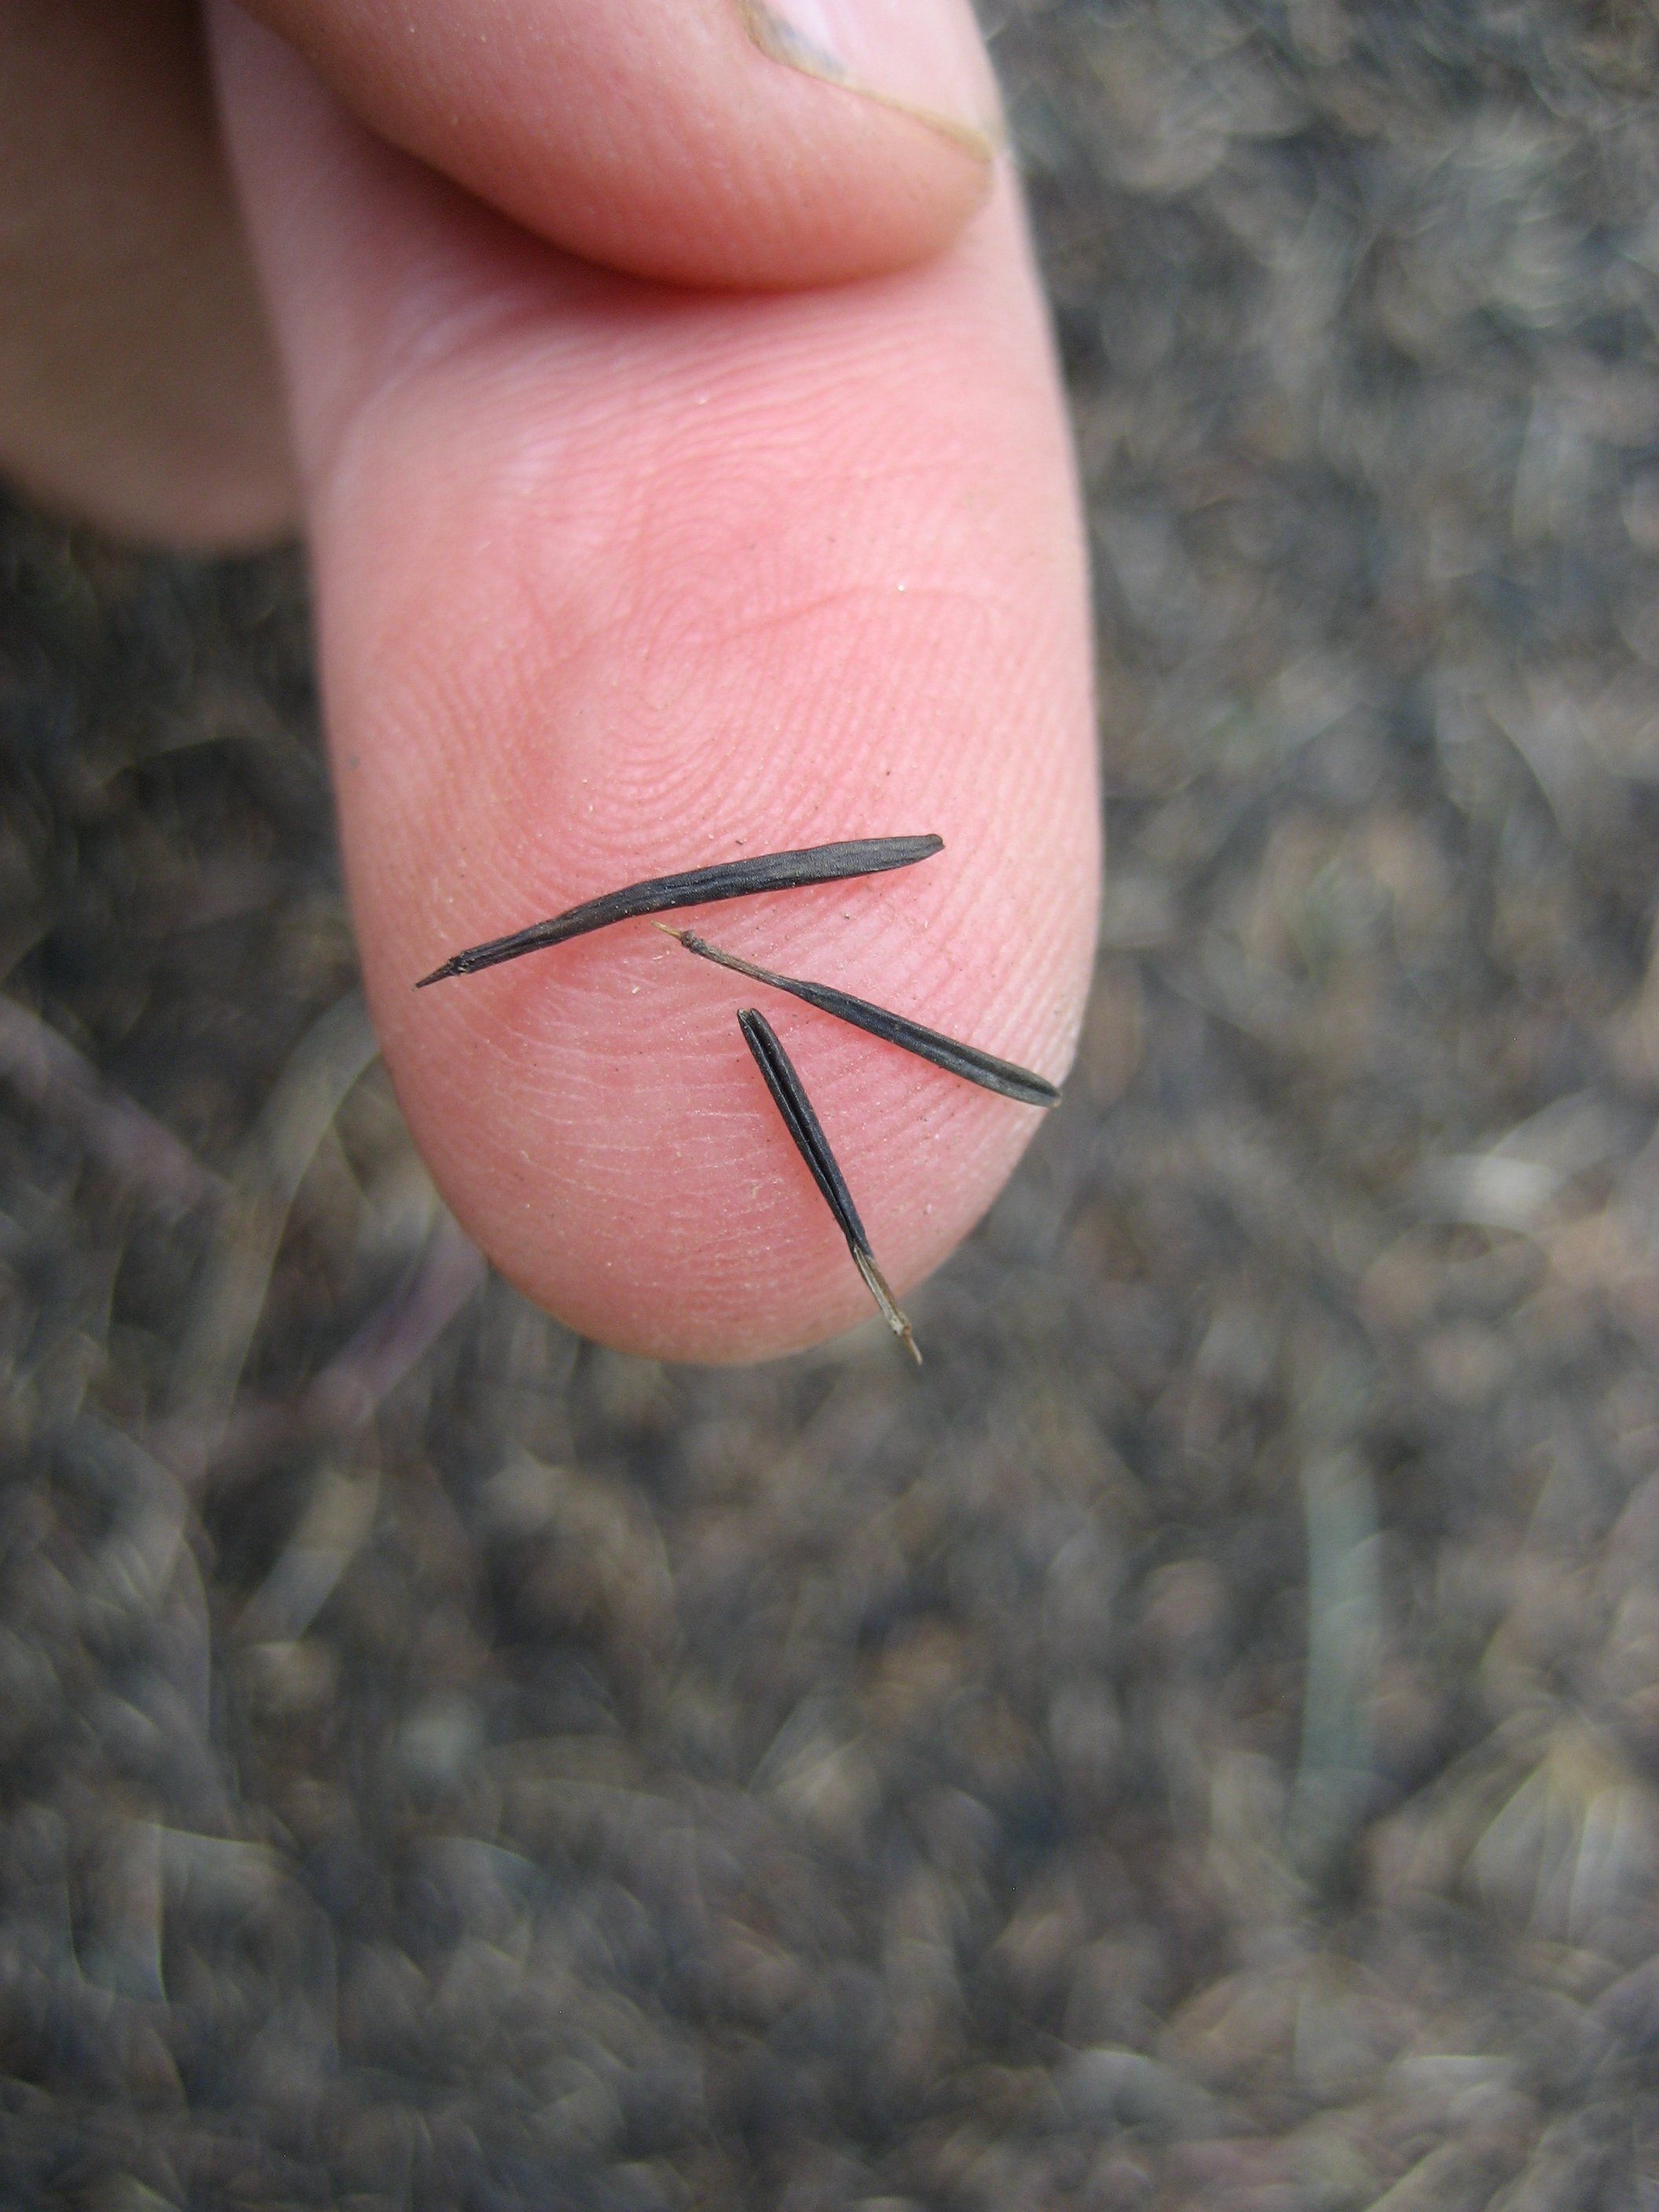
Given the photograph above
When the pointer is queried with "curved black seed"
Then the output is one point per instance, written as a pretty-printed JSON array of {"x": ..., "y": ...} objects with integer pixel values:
[{"x": 764, "y": 871}]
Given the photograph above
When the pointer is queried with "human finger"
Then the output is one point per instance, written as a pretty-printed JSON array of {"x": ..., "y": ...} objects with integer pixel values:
[
  {"x": 138, "y": 384},
  {"x": 614, "y": 579},
  {"x": 732, "y": 142}
]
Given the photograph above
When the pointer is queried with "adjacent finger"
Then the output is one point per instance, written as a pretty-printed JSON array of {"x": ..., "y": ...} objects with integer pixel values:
[
  {"x": 737, "y": 142},
  {"x": 138, "y": 381}
]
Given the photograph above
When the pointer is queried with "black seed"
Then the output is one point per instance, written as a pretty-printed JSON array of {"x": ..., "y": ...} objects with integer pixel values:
[
  {"x": 765, "y": 872},
  {"x": 802, "y": 1123},
  {"x": 964, "y": 1060}
]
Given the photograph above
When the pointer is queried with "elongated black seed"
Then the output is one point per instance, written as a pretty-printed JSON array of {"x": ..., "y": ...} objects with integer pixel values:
[
  {"x": 764, "y": 871},
  {"x": 796, "y": 1108},
  {"x": 964, "y": 1060}
]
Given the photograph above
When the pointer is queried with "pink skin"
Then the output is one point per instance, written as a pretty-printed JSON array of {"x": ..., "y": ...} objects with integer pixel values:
[
  {"x": 649, "y": 135},
  {"x": 616, "y": 579}
]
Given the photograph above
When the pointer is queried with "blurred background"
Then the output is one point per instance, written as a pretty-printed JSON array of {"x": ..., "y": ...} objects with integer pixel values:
[{"x": 1196, "y": 1746}]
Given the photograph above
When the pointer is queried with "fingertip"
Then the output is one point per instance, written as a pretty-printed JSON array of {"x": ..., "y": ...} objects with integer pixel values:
[{"x": 613, "y": 582}]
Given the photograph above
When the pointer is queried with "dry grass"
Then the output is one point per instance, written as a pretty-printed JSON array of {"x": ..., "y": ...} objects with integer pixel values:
[{"x": 1199, "y": 1745}]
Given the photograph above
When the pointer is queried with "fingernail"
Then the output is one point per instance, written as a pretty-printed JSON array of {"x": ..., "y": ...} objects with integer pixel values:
[{"x": 924, "y": 57}]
